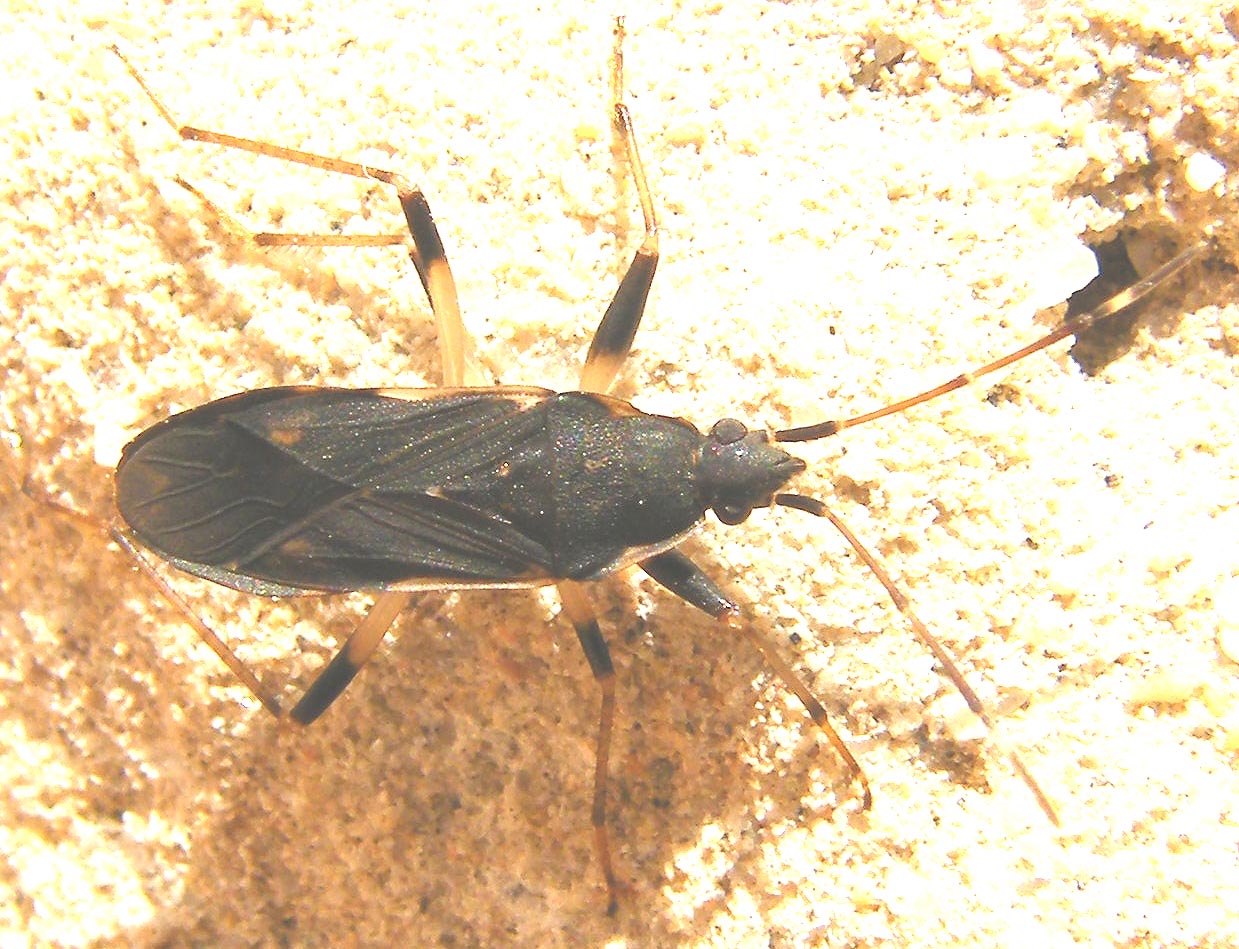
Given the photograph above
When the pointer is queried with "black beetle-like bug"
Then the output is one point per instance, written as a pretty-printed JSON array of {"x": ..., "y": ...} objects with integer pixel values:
[{"x": 302, "y": 490}]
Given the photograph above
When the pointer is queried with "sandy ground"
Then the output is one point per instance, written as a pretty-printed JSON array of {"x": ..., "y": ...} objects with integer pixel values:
[{"x": 858, "y": 200}]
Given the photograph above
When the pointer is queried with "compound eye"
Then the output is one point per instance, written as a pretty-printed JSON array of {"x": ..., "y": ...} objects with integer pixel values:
[
  {"x": 731, "y": 514},
  {"x": 727, "y": 431}
]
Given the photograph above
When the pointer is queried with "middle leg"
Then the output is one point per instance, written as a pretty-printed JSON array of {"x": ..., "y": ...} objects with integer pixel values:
[
  {"x": 614, "y": 336},
  {"x": 581, "y": 614}
]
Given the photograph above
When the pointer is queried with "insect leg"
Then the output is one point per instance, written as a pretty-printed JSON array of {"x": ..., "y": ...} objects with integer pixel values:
[
  {"x": 581, "y": 614},
  {"x": 349, "y": 659},
  {"x": 120, "y": 536},
  {"x": 427, "y": 252},
  {"x": 205, "y": 633},
  {"x": 613, "y": 338},
  {"x": 686, "y": 580}
]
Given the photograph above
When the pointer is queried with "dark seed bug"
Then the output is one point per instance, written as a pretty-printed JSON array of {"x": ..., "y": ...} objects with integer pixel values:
[{"x": 299, "y": 490}]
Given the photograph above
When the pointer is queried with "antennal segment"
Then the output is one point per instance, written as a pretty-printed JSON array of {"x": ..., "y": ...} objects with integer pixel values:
[
  {"x": 1068, "y": 327},
  {"x": 941, "y": 653}
]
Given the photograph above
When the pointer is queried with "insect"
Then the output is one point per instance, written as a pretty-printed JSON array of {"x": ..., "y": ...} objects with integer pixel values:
[{"x": 296, "y": 491}]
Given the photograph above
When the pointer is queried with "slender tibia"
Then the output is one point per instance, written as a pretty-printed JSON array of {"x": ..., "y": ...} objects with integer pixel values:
[
  {"x": 581, "y": 614},
  {"x": 686, "y": 580},
  {"x": 427, "y": 253},
  {"x": 613, "y": 338}
]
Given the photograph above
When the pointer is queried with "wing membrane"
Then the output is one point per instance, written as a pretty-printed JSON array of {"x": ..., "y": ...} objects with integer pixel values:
[{"x": 281, "y": 491}]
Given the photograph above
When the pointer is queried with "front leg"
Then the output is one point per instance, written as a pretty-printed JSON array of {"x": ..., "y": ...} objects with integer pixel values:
[{"x": 685, "y": 579}]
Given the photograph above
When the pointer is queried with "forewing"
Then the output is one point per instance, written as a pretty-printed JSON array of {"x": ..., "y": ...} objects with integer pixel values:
[{"x": 295, "y": 490}]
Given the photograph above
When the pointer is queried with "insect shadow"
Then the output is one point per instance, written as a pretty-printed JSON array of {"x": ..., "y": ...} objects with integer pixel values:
[{"x": 294, "y": 491}]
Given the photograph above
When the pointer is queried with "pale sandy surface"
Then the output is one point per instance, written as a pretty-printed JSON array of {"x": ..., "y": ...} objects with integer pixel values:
[{"x": 829, "y": 243}]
